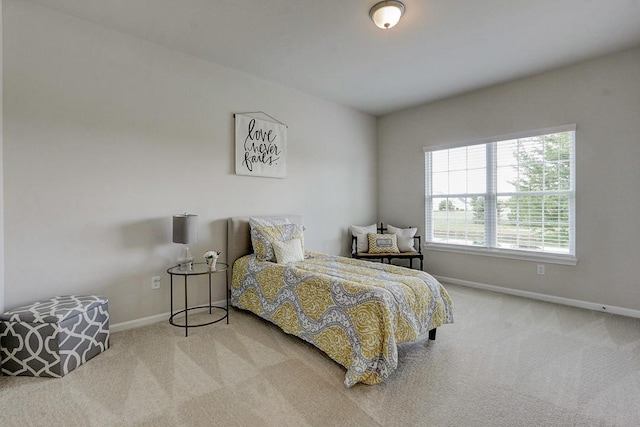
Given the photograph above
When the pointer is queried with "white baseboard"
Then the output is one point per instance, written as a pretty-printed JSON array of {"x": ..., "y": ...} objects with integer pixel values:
[
  {"x": 137, "y": 323},
  {"x": 163, "y": 317},
  {"x": 544, "y": 297}
]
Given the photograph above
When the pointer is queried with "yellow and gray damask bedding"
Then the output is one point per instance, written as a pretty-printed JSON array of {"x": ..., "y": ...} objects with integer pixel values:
[{"x": 355, "y": 311}]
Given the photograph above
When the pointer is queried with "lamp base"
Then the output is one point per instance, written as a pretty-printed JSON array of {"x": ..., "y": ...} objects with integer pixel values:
[
  {"x": 185, "y": 260},
  {"x": 185, "y": 266}
]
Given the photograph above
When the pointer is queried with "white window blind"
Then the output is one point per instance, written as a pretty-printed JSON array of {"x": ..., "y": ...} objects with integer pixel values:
[{"x": 510, "y": 193}]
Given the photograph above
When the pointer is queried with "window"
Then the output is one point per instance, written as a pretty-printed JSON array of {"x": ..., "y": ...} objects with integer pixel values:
[{"x": 511, "y": 195}]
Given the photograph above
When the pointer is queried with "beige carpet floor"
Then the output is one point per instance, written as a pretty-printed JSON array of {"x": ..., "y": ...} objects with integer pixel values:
[{"x": 507, "y": 361}]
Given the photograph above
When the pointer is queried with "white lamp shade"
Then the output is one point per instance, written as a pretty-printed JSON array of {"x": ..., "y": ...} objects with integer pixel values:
[
  {"x": 386, "y": 14},
  {"x": 185, "y": 228}
]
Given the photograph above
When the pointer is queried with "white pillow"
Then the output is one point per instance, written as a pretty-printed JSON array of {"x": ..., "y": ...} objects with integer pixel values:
[
  {"x": 268, "y": 222},
  {"x": 289, "y": 251},
  {"x": 362, "y": 236},
  {"x": 405, "y": 237}
]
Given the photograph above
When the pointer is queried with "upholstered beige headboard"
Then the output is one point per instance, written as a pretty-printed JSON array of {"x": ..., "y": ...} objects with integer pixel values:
[{"x": 239, "y": 235}]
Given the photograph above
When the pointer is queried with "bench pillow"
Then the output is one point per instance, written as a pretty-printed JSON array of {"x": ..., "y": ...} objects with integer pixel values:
[
  {"x": 383, "y": 244},
  {"x": 405, "y": 237},
  {"x": 361, "y": 233}
]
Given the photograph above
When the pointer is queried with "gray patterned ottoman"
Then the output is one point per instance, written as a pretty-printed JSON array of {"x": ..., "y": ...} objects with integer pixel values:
[{"x": 51, "y": 338}]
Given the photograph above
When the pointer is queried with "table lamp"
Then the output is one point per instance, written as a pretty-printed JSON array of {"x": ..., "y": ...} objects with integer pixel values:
[{"x": 185, "y": 231}]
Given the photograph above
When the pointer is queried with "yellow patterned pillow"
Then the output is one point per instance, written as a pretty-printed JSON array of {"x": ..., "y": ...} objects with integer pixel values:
[
  {"x": 262, "y": 238},
  {"x": 383, "y": 243}
]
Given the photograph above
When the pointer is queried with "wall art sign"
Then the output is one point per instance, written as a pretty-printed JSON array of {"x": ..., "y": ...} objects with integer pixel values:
[{"x": 261, "y": 147}]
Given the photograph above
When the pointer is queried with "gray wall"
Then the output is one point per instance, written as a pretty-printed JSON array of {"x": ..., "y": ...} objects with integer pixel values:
[
  {"x": 1, "y": 179},
  {"x": 107, "y": 136},
  {"x": 603, "y": 97}
]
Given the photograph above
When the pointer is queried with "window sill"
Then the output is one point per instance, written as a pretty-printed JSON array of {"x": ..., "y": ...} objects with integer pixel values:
[{"x": 504, "y": 253}]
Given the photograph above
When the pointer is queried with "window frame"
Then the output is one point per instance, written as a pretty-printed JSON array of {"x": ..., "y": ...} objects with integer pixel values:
[{"x": 491, "y": 195}]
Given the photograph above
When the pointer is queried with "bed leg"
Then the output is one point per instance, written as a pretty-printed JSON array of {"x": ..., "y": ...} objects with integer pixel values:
[{"x": 432, "y": 334}]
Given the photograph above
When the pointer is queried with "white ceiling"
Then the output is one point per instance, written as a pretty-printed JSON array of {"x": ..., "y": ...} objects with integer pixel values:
[{"x": 331, "y": 48}]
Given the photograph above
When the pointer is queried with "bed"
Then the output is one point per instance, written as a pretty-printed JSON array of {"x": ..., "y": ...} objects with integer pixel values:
[{"x": 355, "y": 311}]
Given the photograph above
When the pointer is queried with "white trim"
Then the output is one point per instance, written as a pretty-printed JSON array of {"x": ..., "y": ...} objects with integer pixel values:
[
  {"x": 544, "y": 297},
  {"x": 144, "y": 321},
  {"x": 491, "y": 195},
  {"x": 572, "y": 198},
  {"x": 491, "y": 198},
  {"x": 138, "y": 323},
  {"x": 548, "y": 257},
  {"x": 570, "y": 127}
]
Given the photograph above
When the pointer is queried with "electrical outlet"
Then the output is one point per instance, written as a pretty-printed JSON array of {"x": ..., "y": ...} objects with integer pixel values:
[
  {"x": 540, "y": 269},
  {"x": 155, "y": 282}
]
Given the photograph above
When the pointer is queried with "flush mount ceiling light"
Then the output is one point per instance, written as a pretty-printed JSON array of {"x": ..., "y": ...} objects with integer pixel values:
[{"x": 386, "y": 14}]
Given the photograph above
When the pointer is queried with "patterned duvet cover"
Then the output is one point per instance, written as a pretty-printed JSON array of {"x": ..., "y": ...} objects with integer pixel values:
[{"x": 355, "y": 311}]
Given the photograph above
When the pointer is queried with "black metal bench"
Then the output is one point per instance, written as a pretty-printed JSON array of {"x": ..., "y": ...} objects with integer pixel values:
[{"x": 389, "y": 256}]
